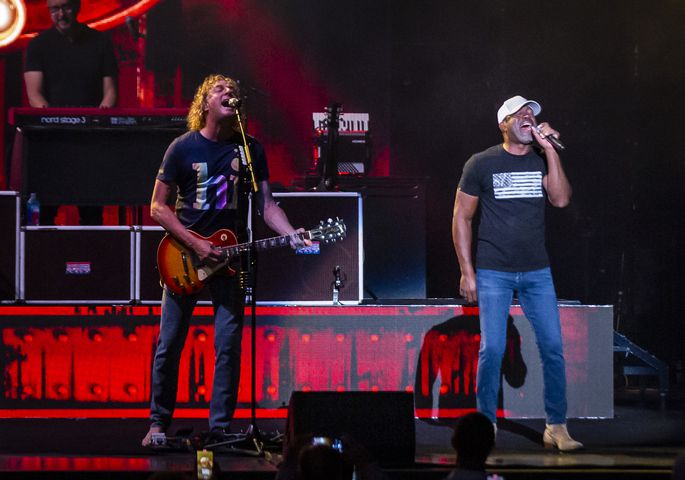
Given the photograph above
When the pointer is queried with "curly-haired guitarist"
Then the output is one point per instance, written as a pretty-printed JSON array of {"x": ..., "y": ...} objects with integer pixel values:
[{"x": 205, "y": 168}]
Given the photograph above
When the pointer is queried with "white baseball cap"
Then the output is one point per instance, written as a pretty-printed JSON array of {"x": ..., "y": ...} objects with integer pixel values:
[{"x": 514, "y": 104}]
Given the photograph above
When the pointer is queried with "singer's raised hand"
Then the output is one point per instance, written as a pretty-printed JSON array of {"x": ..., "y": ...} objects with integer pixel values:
[{"x": 542, "y": 131}]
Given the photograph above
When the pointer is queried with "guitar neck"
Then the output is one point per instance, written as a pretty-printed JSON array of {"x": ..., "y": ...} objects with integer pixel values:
[{"x": 264, "y": 244}]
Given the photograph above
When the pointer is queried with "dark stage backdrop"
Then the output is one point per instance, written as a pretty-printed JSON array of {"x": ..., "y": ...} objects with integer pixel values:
[{"x": 608, "y": 74}]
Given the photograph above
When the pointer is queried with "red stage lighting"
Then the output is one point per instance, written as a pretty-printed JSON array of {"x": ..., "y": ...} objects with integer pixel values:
[
  {"x": 61, "y": 390},
  {"x": 24, "y": 334},
  {"x": 96, "y": 336},
  {"x": 12, "y": 20},
  {"x": 61, "y": 335}
]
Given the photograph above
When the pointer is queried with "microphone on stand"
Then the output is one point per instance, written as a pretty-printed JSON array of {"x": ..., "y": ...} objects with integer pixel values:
[
  {"x": 337, "y": 284},
  {"x": 338, "y": 279},
  {"x": 132, "y": 26},
  {"x": 558, "y": 146},
  {"x": 232, "y": 102}
]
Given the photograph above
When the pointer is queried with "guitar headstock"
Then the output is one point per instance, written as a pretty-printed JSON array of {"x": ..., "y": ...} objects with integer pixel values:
[{"x": 329, "y": 231}]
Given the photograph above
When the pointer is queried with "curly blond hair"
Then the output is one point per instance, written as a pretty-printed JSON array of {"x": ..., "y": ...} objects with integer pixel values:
[{"x": 197, "y": 115}]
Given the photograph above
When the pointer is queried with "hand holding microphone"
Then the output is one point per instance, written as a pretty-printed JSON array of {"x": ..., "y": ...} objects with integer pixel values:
[{"x": 545, "y": 132}]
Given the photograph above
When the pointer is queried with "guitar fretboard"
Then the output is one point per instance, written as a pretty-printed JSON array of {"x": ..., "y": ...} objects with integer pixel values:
[{"x": 264, "y": 244}]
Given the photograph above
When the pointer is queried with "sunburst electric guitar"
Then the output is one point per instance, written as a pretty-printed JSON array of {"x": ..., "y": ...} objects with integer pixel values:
[{"x": 184, "y": 274}]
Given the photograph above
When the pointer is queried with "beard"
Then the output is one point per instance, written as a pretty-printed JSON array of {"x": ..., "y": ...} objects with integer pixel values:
[{"x": 521, "y": 136}]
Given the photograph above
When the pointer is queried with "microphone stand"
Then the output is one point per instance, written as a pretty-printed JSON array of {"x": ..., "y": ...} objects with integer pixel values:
[{"x": 252, "y": 441}]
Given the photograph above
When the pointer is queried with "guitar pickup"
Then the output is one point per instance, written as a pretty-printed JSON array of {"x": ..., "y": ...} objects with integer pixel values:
[
  {"x": 184, "y": 261},
  {"x": 190, "y": 283}
]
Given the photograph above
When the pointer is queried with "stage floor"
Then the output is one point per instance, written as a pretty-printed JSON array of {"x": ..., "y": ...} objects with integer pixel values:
[{"x": 639, "y": 442}]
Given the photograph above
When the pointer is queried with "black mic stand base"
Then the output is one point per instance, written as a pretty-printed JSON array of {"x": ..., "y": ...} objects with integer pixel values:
[{"x": 252, "y": 443}]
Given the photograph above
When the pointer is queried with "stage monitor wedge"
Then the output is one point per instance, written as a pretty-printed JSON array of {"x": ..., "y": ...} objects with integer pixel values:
[{"x": 383, "y": 422}]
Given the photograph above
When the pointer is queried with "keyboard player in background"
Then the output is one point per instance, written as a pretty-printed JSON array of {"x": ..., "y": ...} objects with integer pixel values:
[{"x": 70, "y": 65}]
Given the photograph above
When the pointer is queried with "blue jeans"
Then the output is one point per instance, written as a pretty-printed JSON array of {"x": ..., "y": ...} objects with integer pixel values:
[
  {"x": 539, "y": 303},
  {"x": 174, "y": 325}
]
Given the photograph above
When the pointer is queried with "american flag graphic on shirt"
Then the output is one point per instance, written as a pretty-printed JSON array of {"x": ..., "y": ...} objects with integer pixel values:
[{"x": 517, "y": 185}]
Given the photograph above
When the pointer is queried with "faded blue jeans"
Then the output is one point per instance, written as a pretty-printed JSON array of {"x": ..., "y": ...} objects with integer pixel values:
[
  {"x": 539, "y": 303},
  {"x": 174, "y": 325}
]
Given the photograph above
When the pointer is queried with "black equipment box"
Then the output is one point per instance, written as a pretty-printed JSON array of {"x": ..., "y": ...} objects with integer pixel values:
[
  {"x": 76, "y": 265},
  {"x": 9, "y": 239},
  {"x": 287, "y": 277}
]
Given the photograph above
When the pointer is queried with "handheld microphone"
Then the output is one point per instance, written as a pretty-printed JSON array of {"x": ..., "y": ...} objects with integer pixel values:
[
  {"x": 232, "y": 102},
  {"x": 558, "y": 146}
]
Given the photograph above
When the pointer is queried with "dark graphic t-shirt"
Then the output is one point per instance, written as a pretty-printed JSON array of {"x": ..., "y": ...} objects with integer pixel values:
[
  {"x": 511, "y": 233},
  {"x": 207, "y": 179}
]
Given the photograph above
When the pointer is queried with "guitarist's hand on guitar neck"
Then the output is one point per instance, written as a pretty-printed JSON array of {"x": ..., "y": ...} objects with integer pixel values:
[
  {"x": 206, "y": 252},
  {"x": 297, "y": 240}
]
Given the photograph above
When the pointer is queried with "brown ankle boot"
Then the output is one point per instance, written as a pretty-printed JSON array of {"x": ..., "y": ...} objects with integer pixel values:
[{"x": 557, "y": 436}]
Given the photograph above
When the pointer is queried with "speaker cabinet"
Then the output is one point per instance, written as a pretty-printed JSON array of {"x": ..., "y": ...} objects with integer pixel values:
[
  {"x": 381, "y": 421},
  {"x": 9, "y": 239},
  {"x": 77, "y": 265},
  {"x": 303, "y": 277}
]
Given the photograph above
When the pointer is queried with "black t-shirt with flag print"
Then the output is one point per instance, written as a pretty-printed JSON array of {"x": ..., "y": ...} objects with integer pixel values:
[{"x": 512, "y": 200}]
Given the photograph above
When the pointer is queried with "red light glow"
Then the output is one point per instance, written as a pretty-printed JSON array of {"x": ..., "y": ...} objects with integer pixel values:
[{"x": 61, "y": 390}]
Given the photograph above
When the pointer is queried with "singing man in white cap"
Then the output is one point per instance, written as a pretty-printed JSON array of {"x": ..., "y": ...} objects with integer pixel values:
[{"x": 511, "y": 183}]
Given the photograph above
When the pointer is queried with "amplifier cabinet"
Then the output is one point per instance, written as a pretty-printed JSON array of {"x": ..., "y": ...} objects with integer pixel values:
[
  {"x": 77, "y": 265},
  {"x": 306, "y": 277},
  {"x": 9, "y": 239}
]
